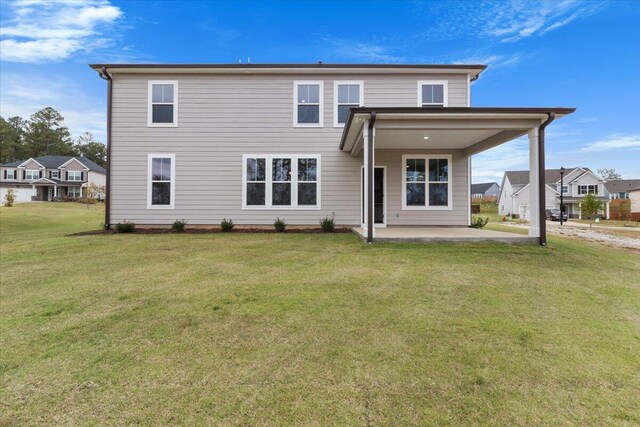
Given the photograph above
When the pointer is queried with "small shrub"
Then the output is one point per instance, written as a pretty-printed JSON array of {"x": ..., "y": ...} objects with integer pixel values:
[
  {"x": 125, "y": 227},
  {"x": 9, "y": 198},
  {"x": 179, "y": 225},
  {"x": 328, "y": 223},
  {"x": 479, "y": 221},
  {"x": 280, "y": 225},
  {"x": 227, "y": 225}
]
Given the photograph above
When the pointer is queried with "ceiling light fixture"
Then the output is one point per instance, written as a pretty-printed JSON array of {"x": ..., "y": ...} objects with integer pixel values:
[{"x": 425, "y": 137}]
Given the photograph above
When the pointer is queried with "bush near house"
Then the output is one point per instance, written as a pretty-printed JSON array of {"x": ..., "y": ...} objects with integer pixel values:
[
  {"x": 125, "y": 227},
  {"x": 280, "y": 225},
  {"x": 9, "y": 198},
  {"x": 179, "y": 225},
  {"x": 479, "y": 221},
  {"x": 328, "y": 223},
  {"x": 227, "y": 225}
]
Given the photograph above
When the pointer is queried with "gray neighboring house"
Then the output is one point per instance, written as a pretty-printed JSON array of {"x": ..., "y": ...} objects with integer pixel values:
[
  {"x": 47, "y": 178},
  {"x": 375, "y": 145},
  {"x": 620, "y": 189},
  {"x": 576, "y": 183},
  {"x": 485, "y": 189}
]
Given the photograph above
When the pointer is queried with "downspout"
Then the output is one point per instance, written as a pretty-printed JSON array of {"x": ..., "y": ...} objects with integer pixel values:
[
  {"x": 107, "y": 197},
  {"x": 541, "y": 182},
  {"x": 370, "y": 190}
]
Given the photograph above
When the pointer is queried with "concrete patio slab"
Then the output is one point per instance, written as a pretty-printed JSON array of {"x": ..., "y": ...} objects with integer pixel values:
[{"x": 444, "y": 234}]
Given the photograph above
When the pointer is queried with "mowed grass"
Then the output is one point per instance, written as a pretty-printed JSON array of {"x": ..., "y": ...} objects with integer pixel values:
[{"x": 277, "y": 329}]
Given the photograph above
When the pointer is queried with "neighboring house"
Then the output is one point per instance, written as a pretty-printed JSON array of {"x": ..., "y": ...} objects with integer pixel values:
[
  {"x": 48, "y": 178},
  {"x": 375, "y": 145},
  {"x": 577, "y": 182},
  {"x": 620, "y": 189},
  {"x": 634, "y": 195},
  {"x": 485, "y": 189}
]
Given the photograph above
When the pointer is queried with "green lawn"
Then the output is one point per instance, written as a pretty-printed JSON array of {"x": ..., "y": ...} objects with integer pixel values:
[{"x": 261, "y": 329}]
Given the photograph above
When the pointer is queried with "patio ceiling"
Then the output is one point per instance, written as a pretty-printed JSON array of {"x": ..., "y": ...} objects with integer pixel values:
[{"x": 470, "y": 129}]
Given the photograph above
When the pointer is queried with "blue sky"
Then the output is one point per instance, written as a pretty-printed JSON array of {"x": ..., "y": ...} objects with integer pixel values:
[{"x": 572, "y": 53}]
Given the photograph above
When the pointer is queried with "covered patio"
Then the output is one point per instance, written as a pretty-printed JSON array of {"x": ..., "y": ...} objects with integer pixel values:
[
  {"x": 443, "y": 234},
  {"x": 426, "y": 151}
]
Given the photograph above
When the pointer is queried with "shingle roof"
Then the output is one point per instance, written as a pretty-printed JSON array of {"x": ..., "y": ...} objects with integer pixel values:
[
  {"x": 622, "y": 185},
  {"x": 551, "y": 176},
  {"x": 482, "y": 187},
  {"x": 54, "y": 162}
]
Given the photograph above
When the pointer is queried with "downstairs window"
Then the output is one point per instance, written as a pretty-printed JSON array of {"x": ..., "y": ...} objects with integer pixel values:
[{"x": 281, "y": 181}]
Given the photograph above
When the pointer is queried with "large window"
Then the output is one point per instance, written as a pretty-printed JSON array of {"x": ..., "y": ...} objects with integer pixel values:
[
  {"x": 161, "y": 185},
  {"x": 74, "y": 176},
  {"x": 587, "y": 189},
  {"x": 432, "y": 93},
  {"x": 426, "y": 182},
  {"x": 346, "y": 95},
  {"x": 308, "y": 104},
  {"x": 163, "y": 103},
  {"x": 281, "y": 181},
  {"x": 74, "y": 192},
  {"x": 31, "y": 174},
  {"x": 10, "y": 174}
]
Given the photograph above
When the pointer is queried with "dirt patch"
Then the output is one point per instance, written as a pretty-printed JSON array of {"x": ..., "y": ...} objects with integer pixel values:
[{"x": 247, "y": 230}]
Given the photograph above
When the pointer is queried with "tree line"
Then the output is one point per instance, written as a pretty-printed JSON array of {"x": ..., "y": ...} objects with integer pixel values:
[{"x": 44, "y": 133}]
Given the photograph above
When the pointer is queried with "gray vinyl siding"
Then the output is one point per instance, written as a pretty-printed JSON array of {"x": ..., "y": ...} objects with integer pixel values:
[{"x": 223, "y": 117}]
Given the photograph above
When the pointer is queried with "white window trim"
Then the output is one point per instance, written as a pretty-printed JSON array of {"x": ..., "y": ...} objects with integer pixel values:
[
  {"x": 426, "y": 158},
  {"x": 37, "y": 171},
  {"x": 150, "y": 103},
  {"x": 74, "y": 191},
  {"x": 57, "y": 173},
  {"x": 74, "y": 172},
  {"x": 337, "y": 83},
  {"x": 149, "y": 181},
  {"x": 268, "y": 182},
  {"x": 15, "y": 174},
  {"x": 320, "y": 99},
  {"x": 445, "y": 91}
]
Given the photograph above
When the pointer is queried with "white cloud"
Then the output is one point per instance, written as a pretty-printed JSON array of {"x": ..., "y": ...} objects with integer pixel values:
[
  {"x": 493, "y": 61},
  {"x": 49, "y": 31},
  {"x": 490, "y": 165},
  {"x": 372, "y": 52},
  {"x": 24, "y": 94},
  {"x": 614, "y": 142},
  {"x": 507, "y": 21}
]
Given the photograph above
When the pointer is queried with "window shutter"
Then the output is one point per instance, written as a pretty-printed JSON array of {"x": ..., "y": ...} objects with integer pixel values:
[
  {"x": 81, "y": 176},
  {"x": 24, "y": 174},
  {"x": 66, "y": 176},
  {"x": 5, "y": 174},
  {"x": 40, "y": 174},
  {"x": 50, "y": 174}
]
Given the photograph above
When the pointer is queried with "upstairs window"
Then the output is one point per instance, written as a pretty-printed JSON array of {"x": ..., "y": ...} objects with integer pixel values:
[
  {"x": 565, "y": 189},
  {"x": 10, "y": 174},
  {"x": 308, "y": 104},
  {"x": 74, "y": 176},
  {"x": 281, "y": 181},
  {"x": 161, "y": 184},
  {"x": 587, "y": 189},
  {"x": 426, "y": 182},
  {"x": 432, "y": 93},
  {"x": 55, "y": 174},
  {"x": 31, "y": 174},
  {"x": 163, "y": 103},
  {"x": 345, "y": 96}
]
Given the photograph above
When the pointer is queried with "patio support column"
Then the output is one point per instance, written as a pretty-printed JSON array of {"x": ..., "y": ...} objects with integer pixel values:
[
  {"x": 534, "y": 184},
  {"x": 368, "y": 136},
  {"x": 55, "y": 192}
]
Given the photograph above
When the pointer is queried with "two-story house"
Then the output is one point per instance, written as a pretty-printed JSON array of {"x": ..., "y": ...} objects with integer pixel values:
[
  {"x": 49, "y": 178},
  {"x": 484, "y": 190},
  {"x": 619, "y": 189},
  {"x": 576, "y": 183},
  {"x": 375, "y": 145}
]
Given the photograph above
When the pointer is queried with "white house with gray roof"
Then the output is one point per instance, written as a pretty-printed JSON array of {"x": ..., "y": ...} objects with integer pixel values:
[
  {"x": 376, "y": 145},
  {"x": 48, "y": 178},
  {"x": 576, "y": 183}
]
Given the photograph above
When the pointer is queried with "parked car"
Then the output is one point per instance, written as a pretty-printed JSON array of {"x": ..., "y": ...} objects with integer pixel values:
[{"x": 554, "y": 215}]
